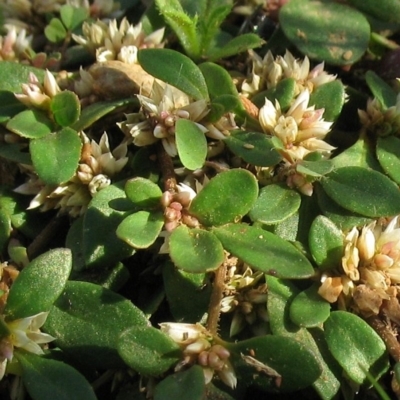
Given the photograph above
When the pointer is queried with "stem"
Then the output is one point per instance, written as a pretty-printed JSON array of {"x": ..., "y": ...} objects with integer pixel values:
[
  {"x": 215, "y": 300},
  {"x": 387, "y": 336},
  {"x": 41, "y": 241},
  {"x": 167, "y": 168}
]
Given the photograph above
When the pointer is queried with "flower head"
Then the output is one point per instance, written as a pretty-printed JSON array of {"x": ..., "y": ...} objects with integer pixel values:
[
  {"x": 371, "y": 266},
  {"x": 198, "y": 348},
  {"x": 267, "y": 72},
  {"x": 97, "y": 166},
  {"x": 25, "y": 334},
  {"x": 113, "y": 42},
  {"x": 301, "y": 129},
  {"x": 159, "y": 113}
]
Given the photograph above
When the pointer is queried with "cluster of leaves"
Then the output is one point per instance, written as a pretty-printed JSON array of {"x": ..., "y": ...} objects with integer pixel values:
[{"x": 107, "y": 288}]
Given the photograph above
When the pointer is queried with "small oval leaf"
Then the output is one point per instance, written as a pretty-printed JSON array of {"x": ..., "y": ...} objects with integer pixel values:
[
  {"x": 326, "y": 243},
  {"x": 363, "y": 191},
  {"x": 356, "y": 346},
  {"x": 264, "y": 251},
  {"x": 66, "y": 108},
  {"x": 282, "y": 355},
  {"x": 143, "y": 192},
  {"x": 195, "y": 250},
  {"x": 47, "y": 274},
  {"x": 183, "y": 385},
  {"x": 226, "y": 198},
  {"x": 388, "y": 153},
  {"x": 47, "y": 379},
  {"x": 309, "y": 309},
  {"x": 381, "y": 90},
  {"x": 56, "y": 156},
  {"x": 329, "y": 96},
  {"x": 254, "y": 147},
  {"x": 140, "y": 230},
  {"x": 191, "y": 144},
  {"x": 328, "y": 31},
  {"x": 31, "y": 124},
  {"x": 148, "y": 350},
  {"x": 176, "y": 69},
  {"x": 109, "y": 314},
  {"x": 274, "y": 204}
]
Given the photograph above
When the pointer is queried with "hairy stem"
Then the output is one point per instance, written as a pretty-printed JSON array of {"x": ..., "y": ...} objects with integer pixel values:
[
  {"x": 214, "y": 307},
  {"x": 167, "y": 168},
  {"x": 387, "y": 336}
]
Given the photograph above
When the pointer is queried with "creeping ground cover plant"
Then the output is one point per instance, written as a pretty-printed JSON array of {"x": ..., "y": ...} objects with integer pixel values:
[{"x": 199, "y": 199}]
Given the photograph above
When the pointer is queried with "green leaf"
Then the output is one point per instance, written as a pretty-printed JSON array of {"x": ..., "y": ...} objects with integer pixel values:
[
  {"x": 15, "y": 74},
  {"x": 176, "y": 69},
  {"x": 326, "y": 243},
  {"x": 218, "y": 80},
  {"x": 314, "y": 168},
  {"x": 280, "y": 296},
  {"x": 363, "y": 191},
  {"x": 55, "y": 31},
  {"x": 188, "y": 384},
  {"x": 141, "y": 229},
  {"x": 283, "y": 92},
  {"x": 9, "y": 106},
  {"x": 148, "y": 350},
  {"x": 100, "y": 243},
  {"x": 5, "y": 230},
  {"x": 388, "y": 153},
  {"x": 143, "y": 192},
  {"x": 195, "y": 250},
  {"x": 280, "y": 353},
  {"x": 274, "y": 204},
  {"x": 329, "y": 96},
  {"x": 326, "y": 31},
  {"x": 183, "y": 25},
  {"x": 254, "y": 147},
  {"x": 228, "y": 197},
  {"x": 94, "y": 112},
  {"x": 12, "y": 152},
  {"x": 47, "y": 379},
  {"x": 187, "y": 294},
  {"x": 381, "y": 90},
  {"x": 46, "y": 275},
  {"x": 235, "y": 46},
  {"x": 344, "y": 219},
  {"x": 386, "y": 10},
  {"x": 56, "y": 156},
  {"x": 309, "y": 309},
  {"x": 87, "y": 321},
  {"x": 191, "y": 144},
  {"x": 31, "y": 124},
  {"x": 73, "y": 17},
  {"x": 360, "y": 154},
  {"x": 356, "y": 346},
  {"x": 264, "y": 251},
  {"x": 66, "y": 108}
]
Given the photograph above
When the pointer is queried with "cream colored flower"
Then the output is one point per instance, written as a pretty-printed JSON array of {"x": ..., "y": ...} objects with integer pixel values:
[
  {"x": 37, "y": 95},
  {"x": 198, "y": 348},
  {"x": 381, "y": 121},
  {"x": 14, "y": 44},
  {"x": 25, "y": 334},
  {"x": 371, "y": 263},
  {"x": 246, "y": 297},
  {"x": 301, "y": 129},
  {"x": 267, "y": 72},
  {"x": 113, "y": 42},
  {"x": 97, "y": 166}
]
